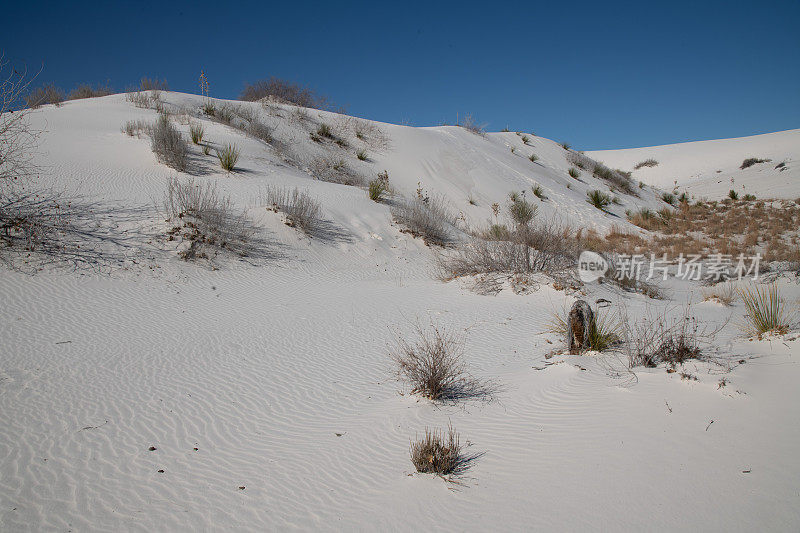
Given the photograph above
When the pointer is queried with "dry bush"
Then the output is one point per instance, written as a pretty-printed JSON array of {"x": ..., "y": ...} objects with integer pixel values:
[
  {"x": 438, "y": 452},
  {"x": 139, "y": 99},
  {"x": 301, "y": 209},
  {"x": 724, "y": 293},
  {"x": 379, "y": 187},
  {"x": 137, "y": 128},
  {"x": 433, "y": 365},
  {"x": 168, "y": 144},
  {"x": 470, "y": 124},
  {"x": 206, "y": 224},
  {"x": 426, "y": 217},
  {"x": 18, "y": 139},
  {"x": 85, "y": 90},
  {"x": 335, "y": 171},
  {"x": 283, "y": 91},
  {"x": 153, "y": 84},
  {"x": 47, "y": 94},
  {"x": 750, "y": 161},
  {"x": 371, "y": 134},
  {"x": 653, "y": 340},
  {"x": 765, "y": 310},
  {"x": 646, "y": 163}
]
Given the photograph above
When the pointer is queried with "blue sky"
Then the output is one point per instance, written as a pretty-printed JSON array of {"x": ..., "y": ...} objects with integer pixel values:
[{"x": 595, "y": 74}]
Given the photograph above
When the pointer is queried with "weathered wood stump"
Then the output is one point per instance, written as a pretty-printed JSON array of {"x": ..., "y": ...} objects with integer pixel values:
[{"x": 579, "y": 323}]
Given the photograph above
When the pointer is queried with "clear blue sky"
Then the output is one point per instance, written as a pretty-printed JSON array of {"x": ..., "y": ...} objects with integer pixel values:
[{"x": 595, "y": 74}]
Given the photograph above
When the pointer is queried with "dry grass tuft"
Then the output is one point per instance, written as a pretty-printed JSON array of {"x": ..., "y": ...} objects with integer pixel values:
[
  {"x": 766, "y": 311},
  {"x": 438, "y": 452},
  {"x": 724, "y": 293},
  {"x": 300, "y": 208}
]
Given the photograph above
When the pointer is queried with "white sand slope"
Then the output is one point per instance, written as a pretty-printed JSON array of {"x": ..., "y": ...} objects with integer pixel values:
[
  {"x": 712, "y": 168},
  {"x": 267, "y": 388}
]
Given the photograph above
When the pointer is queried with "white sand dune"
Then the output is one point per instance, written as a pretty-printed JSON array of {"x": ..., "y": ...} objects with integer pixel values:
[
  {"x": 267, "y": 388},
  {"x": 712, "y": 168}
]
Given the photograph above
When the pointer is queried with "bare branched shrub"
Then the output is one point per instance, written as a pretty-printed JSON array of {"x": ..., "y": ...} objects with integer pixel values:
[
  {"x": 153, "y": 84},
  {"x": 168, "y": 144},
  {"x": 301, "y": 209},
  {"x": 283, "y": 91},
  {"x": 47, "y": 94},
  {"x": 335, "y": 171},
  {"x": 17, "y": 138},
  {"x": 139, "y": 99},
  {"x": 87, "y": 91},
  {"x": 470, "y": 124},
  {"x": 206, "y": 223},
  {"x": 652, "y": 340},
  {"x": 646, "y": 163},
  {"x": 433, "y": 365},
  {"x": 426, "y": 217},
  {"x": 438, "y": 452},
  {"x": 137, "y": 128}
]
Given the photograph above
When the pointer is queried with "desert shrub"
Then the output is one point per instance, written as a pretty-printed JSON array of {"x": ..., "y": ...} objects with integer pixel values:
[
  {"x": 533, "y": 157},
  {"x": 733, "y": 195},
  {"x": 750, "y": 161},
  {"x": 168, "y": 144},
  {"x": 283, "y": 91},
  {"x": 683, "y": 198},
  {"x": 669, "y": 198},
  {"x": 565, "y": 145},
  {"x": 525, "y": 139},
  {"x": 426, "y": 217},
  {"x": 224, "y": 114},
  {"x": 205, "y": 223},
  {"x": 724, "y": 293},
  {"x": 765, "y": 310},
  {"x": 259, "y": 130},
  {"x": 325, "y": 130},
  {"x": 538, "y": 191},
  {"x": 196, "y": 131},
  {"x": 228, "y": 157},
  {"x": 137, "y": 128},
  {"x": 598, "y": 198},
  {"x": 437, "y": 452},
  {"x": 616, "y": 178},
  {"x": 646, "y": 163},
  {"x": 209, "y": 108},
  {"x": 432, "y": 364},
  {"x": 335, "y": 171},
  {"x": 46, "y": 94},
  {"x": 87, "y": 91},
  {"x": 153, "y": 84},
  {"x": 301, "y": 209},
  {"x": 139, "y": 99},
  {"x": 469, "y": 123},
  {"x": 520, "y": 210},
  {"x": 362, "y": 155},
  {"x": 650, "y": 341},
  {"x": 379, "y": 187},
  {"x": 574, "y": 172},
  {"x": 749, "y": 197}
]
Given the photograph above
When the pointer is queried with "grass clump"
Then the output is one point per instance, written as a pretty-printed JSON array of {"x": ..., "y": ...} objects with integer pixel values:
[
  {"x": 668, "y": 198},
  {"x": 301, "y": 209},
  {"x": 733, "y": 195},
  {"x": 196, "y": 131},
  {"x": 646, "y": 163},
  {"x": 533, "y": 157},
  {"x": 426, "y": 217},
  {"x": 574, "y": 172},
  {"x": 538, "y": 192},
  {"x": 598, "y": 198},
  {"x": 765, "y": 310},
  {"x": 379, "y": 187},
  {"x": 750, "y": 161},
  {"x": 724, "y": 293},
  {"x": 361, "y": 155},
  {"x": 228, "y": 157},
  {"x": 438, "y": 452}
]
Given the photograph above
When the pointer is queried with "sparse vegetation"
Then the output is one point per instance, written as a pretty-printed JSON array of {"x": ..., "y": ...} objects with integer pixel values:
[
  {"x": 669, "y": 198},
  {"x": 361, "y": 155},
  {"x": 228, "y": 157},
  {"x": 646, "y": 163},
  {"x": 598, "y": 198},
  {"x": 574, "y": 172},
  {"x": 379, "y": 187},
  {"x": 766, "y": 311},
  {"x": 533, "y": 157},
  {"x": 168, "y": 144},
  {"x": 538, "y": 191},
  {"x": 87, "y": 91},
  {"x": 335, "y": 170},
  {"x": 301, "y": 209},
  {"x": 282, "y": 91},
  {"x": 750, "y": 161},
  {"x": 47, "y": 94},
  {"x": 196, "y": 131},
  {"x": 153, "y": 84},
  {"x": 733, "y": 195},
  {"x": 426, "y": 217},
  {"x": 724, "y": 293},
  {"x": 437, "y": 452},
  {"x": 605, "y": 330},
  {"x": 469, "y": 123}
]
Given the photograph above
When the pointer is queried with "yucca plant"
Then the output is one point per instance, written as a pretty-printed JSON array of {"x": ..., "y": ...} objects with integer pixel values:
[
  {"x": 538, "y": 192},
  {"x": 765, "y": 311},
  {"x": 574, "y": 172},
  {"x": 733, "y": 195},
  {"x": 598, "y": 198},
  {"x": 379, "y": 187},
  {"x": 196, "y": 131},
  {"x": 362, "y": 155},
  {"x": 533, "y": 157},
  {"x": 228, "y": 157},
  {"x": 525, "y": 139},
  {"x": 669, "y": 198}
]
